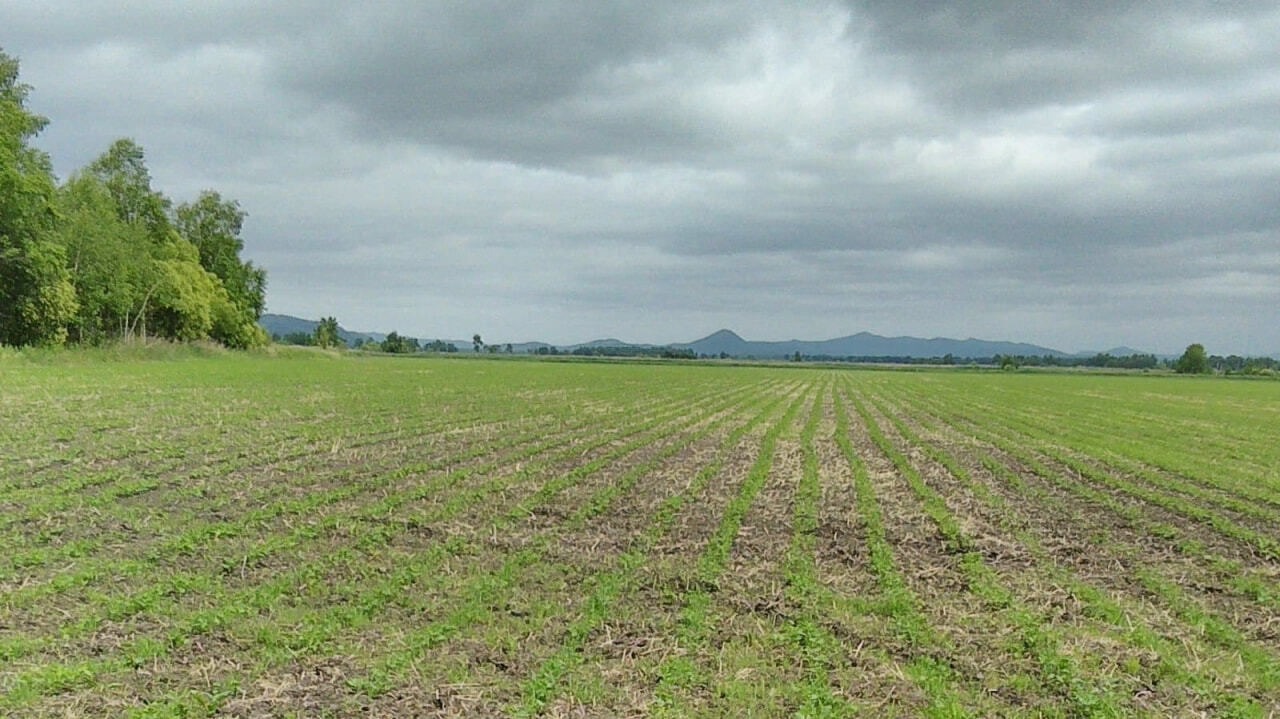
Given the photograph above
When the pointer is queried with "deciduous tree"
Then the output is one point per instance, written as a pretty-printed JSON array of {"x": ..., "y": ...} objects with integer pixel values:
[
  {"x": 327, "y": 332},
  {"x": 123, "y": 170},
  {"x": 1193, "y": 361},
  {"x": 213, "y": 225},
  {"x": 36, "y": 297}
]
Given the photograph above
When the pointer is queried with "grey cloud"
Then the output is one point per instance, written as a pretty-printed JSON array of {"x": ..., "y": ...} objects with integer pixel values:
[
  {"x": 503, "y": 80},
  {"x": 1075, "y": 174},
  {"x": 167, "y": 27},
  {"x": 1013, "y": 55}
]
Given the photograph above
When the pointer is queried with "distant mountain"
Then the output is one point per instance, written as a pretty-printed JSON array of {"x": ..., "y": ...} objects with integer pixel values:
[
  {"x": 288, "y": 324},
  {"x": 285, "y": 324},
  {"x": 602, "y": 343},
  {"x": 1121, "y": 351},
  {"x": 728, "y": 342},
  {"x": 526, "y": 347},
  {"x": 863, "y": 344}
]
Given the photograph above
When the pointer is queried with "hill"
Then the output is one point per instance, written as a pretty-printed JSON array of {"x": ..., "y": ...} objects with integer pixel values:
[
  {"x": 286, "y": 324},
  {"x": 594, "y": 344},
  {"x": 864, "y": 344},
  {"x": 1121, "y": 351}
]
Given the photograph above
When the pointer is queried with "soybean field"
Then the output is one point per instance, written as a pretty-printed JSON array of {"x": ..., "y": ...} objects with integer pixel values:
[{"x": 311, "y": 536}]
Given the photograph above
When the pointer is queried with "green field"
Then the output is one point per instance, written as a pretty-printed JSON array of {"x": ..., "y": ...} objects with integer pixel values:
[{"x": 319, "y": 536}]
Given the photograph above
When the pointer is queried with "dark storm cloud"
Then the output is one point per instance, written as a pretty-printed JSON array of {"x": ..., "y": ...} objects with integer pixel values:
[
  {"x": 1076, "y": 174},
  {"x": 539, "y": 84}
]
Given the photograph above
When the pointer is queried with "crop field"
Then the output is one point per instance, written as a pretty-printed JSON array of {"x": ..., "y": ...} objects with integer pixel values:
[{"x": 316, "y": 536}]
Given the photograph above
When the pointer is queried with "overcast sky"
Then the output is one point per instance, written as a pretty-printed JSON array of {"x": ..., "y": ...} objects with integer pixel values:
[{"x": 1078, "y": 174}]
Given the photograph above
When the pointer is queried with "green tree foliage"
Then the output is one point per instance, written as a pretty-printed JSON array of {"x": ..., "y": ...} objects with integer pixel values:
[
  {"x": 1193, "y": 361},
  {"x": 105, "y": 255},
  {"x": 123, "y": 170},
  {"x": 183, "y": 299},
  {"x": 172, "y": 294},
  {"x": 1236, "y": 364},
  {"x": 36, "y": 297},
  {"x": 213, "y": 226},
  {"x": 232, "y": 327},
  {"x": 399, "y": 344},
  {"x": 326, "y": 334},
  {"x": 476, "y": 342},
  {"x": 108, "y": 259},
  {"x": 304, "y": 339}
]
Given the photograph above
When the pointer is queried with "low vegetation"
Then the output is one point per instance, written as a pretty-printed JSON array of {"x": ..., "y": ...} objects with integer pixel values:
[{"x": 237, "y": 535}]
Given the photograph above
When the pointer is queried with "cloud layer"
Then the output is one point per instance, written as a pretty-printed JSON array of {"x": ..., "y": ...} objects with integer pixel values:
[{"x": 1079, "y": 175}]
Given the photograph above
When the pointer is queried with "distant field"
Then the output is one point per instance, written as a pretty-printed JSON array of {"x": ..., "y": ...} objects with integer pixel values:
[{"x": 239, "y": 536}]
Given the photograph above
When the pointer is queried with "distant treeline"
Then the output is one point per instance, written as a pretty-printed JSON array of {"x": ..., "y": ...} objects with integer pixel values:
[
  {"x": 394, "y": 343},
  {"x": 304, "y": 339},
  {"x": 1232, "y": 364},
  {"x": 1138, "y": 361},
  {"x": 616, "y": 351},
  {"x": 1235, "y": 364},
  {"x": 103, "y": 255},
  {"x": 397, "y": 344}
]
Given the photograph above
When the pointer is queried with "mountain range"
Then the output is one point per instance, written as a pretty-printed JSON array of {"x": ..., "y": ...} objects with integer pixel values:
[
  {"x": 281, "y": 325},
  {"x": 864, "y": 344},
  {"x": 729, "y": 343}
]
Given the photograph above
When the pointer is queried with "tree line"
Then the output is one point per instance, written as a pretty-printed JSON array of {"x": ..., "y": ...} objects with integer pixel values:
[
  {"x": 664, "y": 352},
  {"x": 1195, "y": 360},
  {"x": 1137, "y": 361},
  {"x": 105, "y": 256}
]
